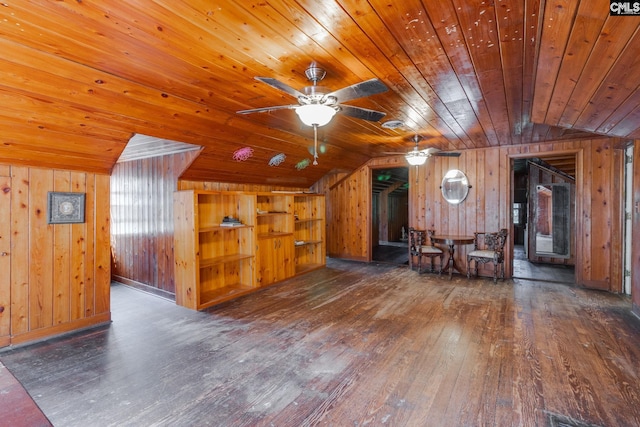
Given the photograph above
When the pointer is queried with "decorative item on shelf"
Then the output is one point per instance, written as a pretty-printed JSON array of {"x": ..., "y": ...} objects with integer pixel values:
[
  {"x": 242, "y": 154},
  {"x": 262, "y": 212},
  {"x": 229, "y": 221},
  {"x": 299, "y": 242}
]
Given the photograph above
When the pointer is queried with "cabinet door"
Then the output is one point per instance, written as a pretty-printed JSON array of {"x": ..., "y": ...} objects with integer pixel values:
[
  {"x": 275, "y": 259},
  {"x": 285, "y": 262},
  {"x": 266, "y": 251}
]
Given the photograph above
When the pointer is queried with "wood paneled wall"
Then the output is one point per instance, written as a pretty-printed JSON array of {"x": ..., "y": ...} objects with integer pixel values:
[
  {"x": 227, "y": 186},
  {"x": 599, "y": 192},
  {"x": 398, "y": 216},
  {"x": 142, "y": 220},
  {"x": 598, "y": 204},
  {"x": 635, "y": 239},
  {"x": 390, "y": 213},
  {"x": 54, "y": 278},
  {"x": 348, "y": 201}
]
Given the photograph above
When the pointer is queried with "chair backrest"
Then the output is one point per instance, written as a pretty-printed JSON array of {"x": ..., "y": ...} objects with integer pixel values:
[
  {"x": 491, "y": 241},
  {"x": 417, "y": 238},
  {"x": 430, "y": 234}
]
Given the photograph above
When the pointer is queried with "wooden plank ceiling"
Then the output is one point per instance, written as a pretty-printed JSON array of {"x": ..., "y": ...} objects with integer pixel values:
[{"x": 79, "y": 78}]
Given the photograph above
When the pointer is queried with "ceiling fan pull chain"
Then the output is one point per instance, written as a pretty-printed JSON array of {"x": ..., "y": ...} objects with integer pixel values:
[{"x": 315, "y": 144}]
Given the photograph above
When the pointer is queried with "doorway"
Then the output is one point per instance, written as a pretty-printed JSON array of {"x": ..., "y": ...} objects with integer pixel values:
[
  {"x": 543, "y": 217},
  {"x": 390, "y": 214}
]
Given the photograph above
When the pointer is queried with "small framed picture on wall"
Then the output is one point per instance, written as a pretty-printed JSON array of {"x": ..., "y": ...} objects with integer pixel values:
[{"x": 65, "y": 208}]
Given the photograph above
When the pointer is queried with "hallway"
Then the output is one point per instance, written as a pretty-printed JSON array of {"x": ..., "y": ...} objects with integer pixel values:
[{"x": 523, "y": 269}]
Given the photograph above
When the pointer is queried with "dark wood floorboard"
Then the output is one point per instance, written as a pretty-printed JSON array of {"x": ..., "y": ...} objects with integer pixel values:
[{"x": 353, "y": 344}]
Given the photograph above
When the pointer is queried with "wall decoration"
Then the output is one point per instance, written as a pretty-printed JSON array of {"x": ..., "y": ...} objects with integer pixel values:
[
  {"x": 242, "y": 154},
  {"x": 302, "y": 164},
  {"x": 65, "y": 208},
  {"x": 277, "y": 159}
]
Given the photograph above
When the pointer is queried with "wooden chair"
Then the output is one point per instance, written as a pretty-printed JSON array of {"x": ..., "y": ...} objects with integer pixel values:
[
  {"x": 420, "y": 246},
  {"x": 488, "y": 247}
]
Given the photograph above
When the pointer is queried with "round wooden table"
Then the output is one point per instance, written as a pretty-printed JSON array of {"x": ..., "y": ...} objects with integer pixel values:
[{"x": 452, "y": 241}]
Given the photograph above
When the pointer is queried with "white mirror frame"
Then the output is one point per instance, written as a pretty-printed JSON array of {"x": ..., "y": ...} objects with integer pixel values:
[{"x": 455, "y": 186}]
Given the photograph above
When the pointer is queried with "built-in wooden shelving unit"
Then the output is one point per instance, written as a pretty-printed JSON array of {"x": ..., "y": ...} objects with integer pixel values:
[{"x": 281, "y": 235}]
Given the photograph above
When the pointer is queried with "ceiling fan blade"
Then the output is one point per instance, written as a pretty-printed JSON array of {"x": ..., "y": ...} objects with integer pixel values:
[
  {"x": 265, "y": 109},
  {"x": 281, "y": 86},
  {"x": 359, "y": 90},
  {"x": 361, "y": 113},
  {"x": 432, "y": 151}
]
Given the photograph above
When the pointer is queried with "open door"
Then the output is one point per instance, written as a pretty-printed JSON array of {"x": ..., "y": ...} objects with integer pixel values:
[
  {"x": 551, "y": 223},
  {"x": 389, "y": 214}
]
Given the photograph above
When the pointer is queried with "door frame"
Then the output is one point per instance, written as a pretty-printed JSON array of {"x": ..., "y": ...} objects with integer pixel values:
[{"x": 579, "y": 201}]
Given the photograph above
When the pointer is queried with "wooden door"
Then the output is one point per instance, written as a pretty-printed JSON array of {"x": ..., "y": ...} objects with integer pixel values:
[{"x": 5, "y": 258}]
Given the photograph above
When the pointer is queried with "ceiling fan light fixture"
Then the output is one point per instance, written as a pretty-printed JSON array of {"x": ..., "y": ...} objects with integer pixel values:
[
  {"x": 416, "y": 158},
  {"x": 315, "y": 114}
]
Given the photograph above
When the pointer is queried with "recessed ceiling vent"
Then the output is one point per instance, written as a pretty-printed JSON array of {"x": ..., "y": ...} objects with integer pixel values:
[{"x": 392, "y": 124}]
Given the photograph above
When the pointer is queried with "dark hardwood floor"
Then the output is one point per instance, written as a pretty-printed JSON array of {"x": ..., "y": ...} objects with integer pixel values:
[
  {"x": 391, "y": 252},
  {"x": 350, "y": 345},
  {"x": 523, "y": 269}
]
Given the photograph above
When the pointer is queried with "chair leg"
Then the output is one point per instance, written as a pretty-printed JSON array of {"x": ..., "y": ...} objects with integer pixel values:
[
  {"x": 468, "y": 268},
  {"x": 440, "y": 271},
  {"x": 495, "y": 272}
]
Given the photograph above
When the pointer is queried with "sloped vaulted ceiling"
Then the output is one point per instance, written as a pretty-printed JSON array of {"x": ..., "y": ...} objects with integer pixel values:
[{"x": 79, "y": 78}]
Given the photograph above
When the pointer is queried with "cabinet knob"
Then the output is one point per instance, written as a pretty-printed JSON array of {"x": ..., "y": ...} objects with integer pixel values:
[{"x": 4, "y": 253}]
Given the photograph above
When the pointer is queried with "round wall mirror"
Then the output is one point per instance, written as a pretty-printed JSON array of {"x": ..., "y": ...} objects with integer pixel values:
[{"x": 455, "y": 186}]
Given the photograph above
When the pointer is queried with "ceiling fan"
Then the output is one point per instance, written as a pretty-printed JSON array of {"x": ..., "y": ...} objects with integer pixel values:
[
  {"x": 317, "y": 104},
  {"x": 418, "y": 157}
]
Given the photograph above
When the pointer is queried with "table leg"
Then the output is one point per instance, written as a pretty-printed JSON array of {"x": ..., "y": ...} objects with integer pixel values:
[{"x": 451, "y": 262}]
